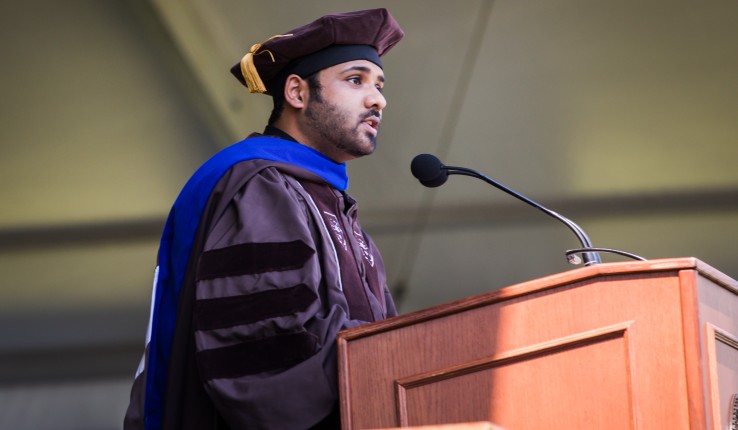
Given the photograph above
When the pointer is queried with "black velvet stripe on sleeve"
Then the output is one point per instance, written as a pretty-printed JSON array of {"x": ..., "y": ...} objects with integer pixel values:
[
  {"x": 223, "y": 312},
  {"x": 253, "y": 258},
  {"x": 256, "y": 356}
]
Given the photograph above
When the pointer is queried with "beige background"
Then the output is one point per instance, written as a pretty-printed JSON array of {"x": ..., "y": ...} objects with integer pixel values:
[{"x": 622, "y": 115}]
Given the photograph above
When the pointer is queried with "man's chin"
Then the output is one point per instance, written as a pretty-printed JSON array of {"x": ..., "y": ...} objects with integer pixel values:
[
  {"x": 371, "y": 146},
  {"x": 372, "y": 141},
  {"x": 361, "y": 147}
]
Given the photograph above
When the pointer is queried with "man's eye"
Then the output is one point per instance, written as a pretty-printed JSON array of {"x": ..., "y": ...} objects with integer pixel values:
[{"x": 355, "y": 80}]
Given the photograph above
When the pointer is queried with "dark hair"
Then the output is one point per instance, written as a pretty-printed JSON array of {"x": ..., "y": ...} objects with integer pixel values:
[{"x": 278, "y": 97}]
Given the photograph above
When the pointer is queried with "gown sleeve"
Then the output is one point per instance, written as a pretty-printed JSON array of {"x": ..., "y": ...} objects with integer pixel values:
[{"x": 265, "y": 318}]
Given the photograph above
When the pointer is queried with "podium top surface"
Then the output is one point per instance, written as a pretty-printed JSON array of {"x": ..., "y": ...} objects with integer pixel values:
[{"x": 581, "y": 274}]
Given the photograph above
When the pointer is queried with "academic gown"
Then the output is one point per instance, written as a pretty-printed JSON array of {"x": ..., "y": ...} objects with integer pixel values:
[{"x": 279, "y": 264}]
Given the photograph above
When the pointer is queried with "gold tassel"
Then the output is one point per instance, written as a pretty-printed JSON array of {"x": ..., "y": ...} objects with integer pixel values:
[{"x": 248, "y": 69}]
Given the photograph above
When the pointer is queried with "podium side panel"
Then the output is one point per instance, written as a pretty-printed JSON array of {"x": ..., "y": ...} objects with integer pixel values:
[{"x": 718, "y": 319}]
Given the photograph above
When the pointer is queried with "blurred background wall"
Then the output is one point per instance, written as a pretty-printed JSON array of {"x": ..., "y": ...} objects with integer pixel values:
[{"x": 621, "y": 115}]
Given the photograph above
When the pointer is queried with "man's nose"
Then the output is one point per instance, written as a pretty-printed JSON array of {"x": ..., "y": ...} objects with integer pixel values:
[{"x": 376, "y": 100}]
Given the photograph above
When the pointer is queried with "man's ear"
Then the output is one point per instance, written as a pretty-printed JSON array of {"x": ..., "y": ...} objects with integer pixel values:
[{"x": 296, "y": 92}]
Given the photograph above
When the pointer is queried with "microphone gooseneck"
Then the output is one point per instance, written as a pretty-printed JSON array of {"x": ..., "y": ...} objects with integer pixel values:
[{"x": 429, "y": 170}]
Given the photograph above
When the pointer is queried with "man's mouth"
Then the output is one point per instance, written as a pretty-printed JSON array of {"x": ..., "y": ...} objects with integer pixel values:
[
  {"x": 373, "y": 122},
  {"x": 372, "y": 119}
]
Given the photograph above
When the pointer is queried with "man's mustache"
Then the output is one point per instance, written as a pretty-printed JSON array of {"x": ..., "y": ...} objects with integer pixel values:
[{"x": 372, "y": 113}]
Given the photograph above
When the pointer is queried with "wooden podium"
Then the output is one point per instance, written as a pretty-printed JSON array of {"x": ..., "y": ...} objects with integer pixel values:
[{"x": 646, "y": 345}]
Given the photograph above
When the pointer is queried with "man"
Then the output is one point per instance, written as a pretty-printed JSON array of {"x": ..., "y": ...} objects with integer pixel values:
[{"x": 262, "y": 259}]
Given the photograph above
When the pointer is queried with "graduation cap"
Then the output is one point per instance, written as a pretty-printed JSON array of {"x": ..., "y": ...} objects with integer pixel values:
[{"x": 325, "y": 42}]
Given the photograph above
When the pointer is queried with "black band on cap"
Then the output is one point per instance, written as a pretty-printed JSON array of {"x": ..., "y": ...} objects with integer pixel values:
[{"x": 330, "y": 56}]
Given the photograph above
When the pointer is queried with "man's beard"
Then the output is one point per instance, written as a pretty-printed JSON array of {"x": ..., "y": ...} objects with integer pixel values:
[{"x": 337, "y": 131}]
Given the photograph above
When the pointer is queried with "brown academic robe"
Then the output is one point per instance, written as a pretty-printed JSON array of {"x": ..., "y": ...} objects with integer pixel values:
[{"x": 280, "y": 265}]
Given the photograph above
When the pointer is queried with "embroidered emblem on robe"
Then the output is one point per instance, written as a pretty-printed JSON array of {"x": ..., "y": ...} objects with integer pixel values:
[
  {"x": 336, "y": 228},
  {"x": 364, "y": 248}
]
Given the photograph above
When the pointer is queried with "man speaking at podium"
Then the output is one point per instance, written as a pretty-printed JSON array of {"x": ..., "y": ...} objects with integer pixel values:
[{"x": 262, "y": 259}]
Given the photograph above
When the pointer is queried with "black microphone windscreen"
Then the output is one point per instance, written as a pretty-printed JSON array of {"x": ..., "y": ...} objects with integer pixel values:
[{"x": 429, "y": 170}]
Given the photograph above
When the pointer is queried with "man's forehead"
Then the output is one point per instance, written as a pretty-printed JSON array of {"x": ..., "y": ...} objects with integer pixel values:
[{"x": 363, "y": 66}]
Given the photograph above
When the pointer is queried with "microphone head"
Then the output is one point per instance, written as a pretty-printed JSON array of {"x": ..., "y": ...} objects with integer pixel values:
[{"x": 429, "y": 170}]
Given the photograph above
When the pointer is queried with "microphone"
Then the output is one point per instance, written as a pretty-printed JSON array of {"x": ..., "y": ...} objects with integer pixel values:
[{"x": 429, "y": 170}]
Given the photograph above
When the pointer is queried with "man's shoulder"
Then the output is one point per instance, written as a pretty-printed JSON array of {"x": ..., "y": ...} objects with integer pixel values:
[{"x": 256, "y": 179}]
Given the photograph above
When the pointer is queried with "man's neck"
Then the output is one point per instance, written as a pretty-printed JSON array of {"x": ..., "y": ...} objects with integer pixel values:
[
  {"x": 271, "y": 130},
  {"x": 288, "y": 125}
]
